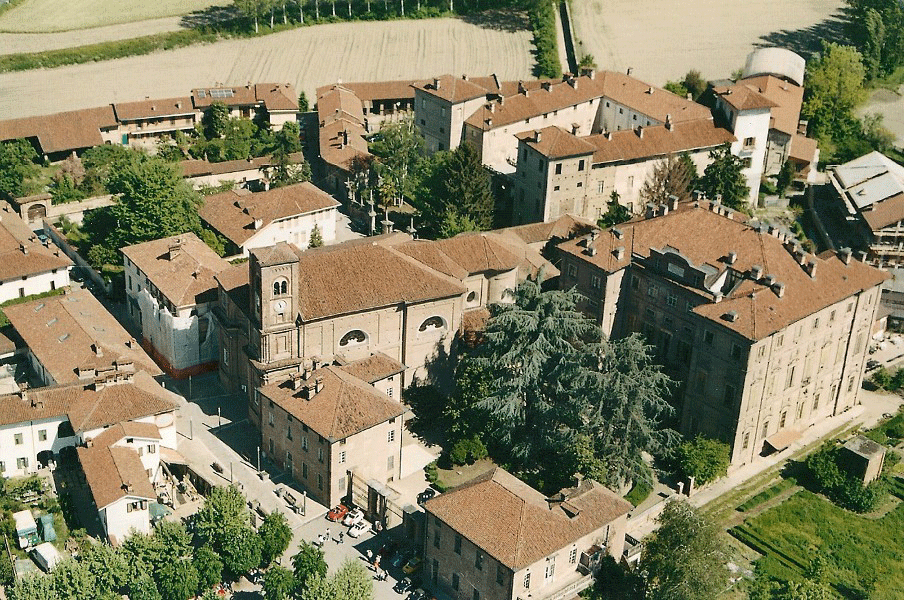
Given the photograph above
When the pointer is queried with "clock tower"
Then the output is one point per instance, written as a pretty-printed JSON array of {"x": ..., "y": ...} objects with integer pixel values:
[{"x": 274, "y": 282}]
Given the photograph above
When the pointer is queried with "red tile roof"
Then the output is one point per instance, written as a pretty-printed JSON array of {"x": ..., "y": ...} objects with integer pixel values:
[{"x": 114, "y": 474}]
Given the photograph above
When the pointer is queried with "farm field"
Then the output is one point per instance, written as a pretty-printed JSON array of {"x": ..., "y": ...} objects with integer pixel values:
[
  {"x": 307, "y": 57},
  {"x": 664, "y": 39},
  {"x": 14, "y": 43},
  {"x": 32, "y": 16},
  {"x": 855, "y": 546}
]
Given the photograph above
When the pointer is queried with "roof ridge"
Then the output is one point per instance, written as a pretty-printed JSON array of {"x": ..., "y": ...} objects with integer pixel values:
[{"x": 519, "y": 545}]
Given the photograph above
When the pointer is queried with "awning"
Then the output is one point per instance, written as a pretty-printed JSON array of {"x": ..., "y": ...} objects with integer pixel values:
[
  {"x": 782, "y": 439},
  {"x": 171, "y": 457}
]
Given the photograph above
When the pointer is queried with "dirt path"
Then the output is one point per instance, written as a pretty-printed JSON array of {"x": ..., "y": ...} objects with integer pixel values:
[
  {"x": 891, "y": 106},
  {"x": 13, "y": 43},
  {"x": 309, "y": 57},
  {"x": 663, "y": 39}
]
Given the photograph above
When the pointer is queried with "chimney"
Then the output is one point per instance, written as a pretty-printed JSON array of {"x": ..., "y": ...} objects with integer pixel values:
[
  {"x": 639, "y": 131},
  {"x": 575, "y": 128},
  {"x": 663, "y": 210},
  {"x": 537, "y": 135},
  {"x": 608, "y": 135},
  {"x": 651, "y": 210},
  {"x": 731, "y": 316},
  {"x": 770, "y": 280},
  {"x": 258, "y": 223},
  {"x": 860, "y": 255},
  {"x": 179, "y": 104},
  {"x": 810, "y": 268},
  {"x": 175, "y": 248},
  {"x": 845, "y": 255},
  {"x": 591, "y": 250},
  {"x": 98, "y": 351},
  {"x": 756, "y": 271},
  {"x": 345, "y": 137},
  {"x": 545, "y": 85},
  {"x": 464, "y": 76},
  {"x": 573, "y": 83},
  {"x": 306, "y": 373},
  {"x": 436, "y": 83},
  {"x": 668, "y": 122},
  {"x": 673, "y": 202},
  {"x": 779, "y": 289},
  {"x": 318, "y": 384},
  {"x": 99, "y": 383},
  {"x": 492, "y": 107},
  {"x": 630, "y": 70},
  {"x": 23, "y": 248},
  {"x": 717, "y": 297},
  {"x": 578, "y": 479},
  {"x": 501, "y": 100},
  {"x": 618, "y": 233},
  {"x": 620, "y": 253},
  {"x": 732, "y": 258},
  {"x": 297, "y": 381},
  {"x": 650, "y": 90}
]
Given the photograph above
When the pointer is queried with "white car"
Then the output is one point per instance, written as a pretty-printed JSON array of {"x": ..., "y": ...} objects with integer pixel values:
[
  {"x": 353, "y": 518},
  {"x": 358, "y": 528}
]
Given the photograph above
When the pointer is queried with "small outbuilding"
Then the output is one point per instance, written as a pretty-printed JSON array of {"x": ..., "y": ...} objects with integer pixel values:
[
  {"x": 26, "y": 528},
  {"x": 863, "y": 458}
]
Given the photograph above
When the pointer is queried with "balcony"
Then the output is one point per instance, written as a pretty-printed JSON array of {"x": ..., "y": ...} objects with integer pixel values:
[{"x": 570, "y": 588}]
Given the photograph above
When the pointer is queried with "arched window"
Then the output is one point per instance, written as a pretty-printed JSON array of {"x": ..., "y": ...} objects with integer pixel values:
[
  {"x": 432, "y": 323},
  {"x": 353, "y": 338},
  {"x": 280, "y": 287}
]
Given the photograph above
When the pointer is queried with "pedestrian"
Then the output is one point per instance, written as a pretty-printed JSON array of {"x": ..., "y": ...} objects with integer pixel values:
[
  {"x": 341, "y": 535},
  {"x": 327, "y": 535},
  {"x": 377, "y": 563},
  {"x": 320, "y": 539},
  {"x": 370, "y": 556}
]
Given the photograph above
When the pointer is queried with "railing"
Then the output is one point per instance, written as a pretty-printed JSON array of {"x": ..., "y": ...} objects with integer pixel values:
[{"x": 569, "y": 591}]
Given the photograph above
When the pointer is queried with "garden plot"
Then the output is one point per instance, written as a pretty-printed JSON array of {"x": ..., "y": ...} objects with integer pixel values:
[
  {"x": 53, "y": 15},
  {"x": 664, "y": 39},
  {"x": 307, "y": 57}
]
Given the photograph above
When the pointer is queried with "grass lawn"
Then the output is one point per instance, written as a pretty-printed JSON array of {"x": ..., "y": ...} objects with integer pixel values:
[
  {"x": 459, "y": 475},
  {"x": 52, "y": 15},
  {"x": 856, "y": 547}
]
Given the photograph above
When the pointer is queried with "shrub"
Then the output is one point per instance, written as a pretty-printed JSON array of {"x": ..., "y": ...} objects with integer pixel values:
[
  {"x": 543, "y": 22},
  {"x": 842, "y": 489},
  {"x": 468, "y": 451}
]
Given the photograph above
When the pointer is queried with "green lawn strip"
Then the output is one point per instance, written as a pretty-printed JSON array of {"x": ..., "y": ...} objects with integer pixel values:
[
  {"x": 789, "y": 534},
  {"x": 767, "y": 494},
  {"x": 4, "y": 321},
  {"x": 638, "y": 493}
]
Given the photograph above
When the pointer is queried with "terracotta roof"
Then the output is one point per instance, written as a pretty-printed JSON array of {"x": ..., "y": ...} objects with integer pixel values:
[
  {"x": 351, "y": 277},
  {"x": 62, "y": 132},
  {"x": 374, "y": 368},
  {"x": 334, "y": 149},
  {"x": 555, "y": 142},
  {"x": 887, "y": 211},
  {"x": 787, "y": 97},
  {"x": 378, "y": 90},
  {"x": 150, "y": 109},
  {"x": 651, "y": 101},
  {"x": 516, "y": 524},
  {"x": 187, "y": 277},
  {"x": 564, "y": 227},
  {"x": 62, "y": 331},
  {"x": 114, "y": 474},
  {"x": 463, "y": 255},
  {"x": 197, "y": 168},
  {"x": 743, "y": 97},
  {"x": 452, "y": 89},
  {"x": 235, "y": 282},
  {"x": 277, "y": 96},
  {"x": 802, "y": 149},
  {"x": 704, "y": 237},
  {"x": 658, "y": 140},
  {"x": 343, "y": 407},
  {"x": 126, "y": 429},
  {"x": 233, "y": 213},
  {"x": 21, "y": 254},
  {"x": 88, "y": 408}
]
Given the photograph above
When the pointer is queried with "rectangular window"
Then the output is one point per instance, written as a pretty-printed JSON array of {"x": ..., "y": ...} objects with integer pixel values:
[
  {"x": 455, "y": 581},
  {"x": 651, "y": 291},
  {"x": 746, "y": 441},
  {"x": 478, "y": 561},
  {"x": 781, "y": 423},
  {"x": 729, "y": 398},
  {"x": 341, "y": 485},
  {"x": 304, "y": 443},
  {"x": 581, "y": 165},
  {"x": 815, "y": 402},
  {"x": 475, "y": 595},
  {"x": 2, "y": 467},
  {"x": 550, "y": 569},
  {"x": 270, "y": 418},
  {"x": 390, "y": 437},
  {"x": 737, "y": 352},
  {"x": 342, "y": 456},
  {"x": 572, "y": 270},
  {"x": 319, "y": 481},
  {"x": 289, "y": 432},
  {"x": 600, "y": 187},
  {"x": 635, "y": 283},
  {"x": 790, "y": 380},
  {"x": 850, "y": 386},
  {"x": 390, "y": 462},
  {"x": 42, "y": 435},
  {"x": 708, "y": 338},
  {"x": 457, "y": 544},
  {"x": 748, "y": 142},
  {"x": 765, "y": 429},
  {"x": 573, "y": 556},
  {"x": 22, "y": 463},
  {"x": 816, "y": 323},
  {"x": 436, "y": 538},
  {"x": 304, "y": 470},
  {"x": 527, "y": 581},
  {"x": 320, "y": 454},
  {"x": 595, "y": 282},
  {"x": 18, "y": 439},
  {"x": 671, "y": 300},
  {"x": 500, "y": 574}
]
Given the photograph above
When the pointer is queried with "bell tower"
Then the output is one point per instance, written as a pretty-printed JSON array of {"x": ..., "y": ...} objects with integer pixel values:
[{"x": 274, "y": 283}]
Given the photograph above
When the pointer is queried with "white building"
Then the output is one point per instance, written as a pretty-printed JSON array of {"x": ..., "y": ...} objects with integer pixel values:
[
  {"x": 170, "y": 287},
  {"x": 26, "y": 266},
  {"x": 36, "y": 424},
  {"x": 256, "y": 220}
]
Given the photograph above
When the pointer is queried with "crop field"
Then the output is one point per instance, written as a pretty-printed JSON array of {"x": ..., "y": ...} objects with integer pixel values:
[
  {"x": 307, "y": 57},
  {"x": 54, "y": 15},
  {"x": 664, "y": 39}
]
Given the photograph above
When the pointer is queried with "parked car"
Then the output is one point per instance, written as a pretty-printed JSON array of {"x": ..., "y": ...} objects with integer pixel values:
[
  {"x": 426, "y": 495},
  {"x": 403, "y": 585},
  {"x": 337, "y": 513},
  {"x": 358, "y": 528},
  {"x": 412, "y": 566},
  {"x": 417, "y": 594},
  {"x": 402, "y": 556},
  {"x": 353, "y": 518}
]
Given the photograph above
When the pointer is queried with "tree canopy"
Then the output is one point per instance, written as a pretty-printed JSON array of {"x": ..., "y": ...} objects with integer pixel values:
[
  {"x": 456, "y": 194},
  {"x": 351, "y": 582},
  {"x": 275, "y": 536},
  {"x": 552, "y": 377},
  {"x": 723, "y": 178},
  {"x": 834, "y": 89},
  {"x": 672, "y": 176},
  {"x": 307, "y": 565},
  {"x": 704, "y": 459},
  {"x": 685, "y": 557},
  {"x": 17, "y": 164}
]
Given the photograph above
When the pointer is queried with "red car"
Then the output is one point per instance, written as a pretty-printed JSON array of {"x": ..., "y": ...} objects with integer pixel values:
[{"x": 337, "y": 513}]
